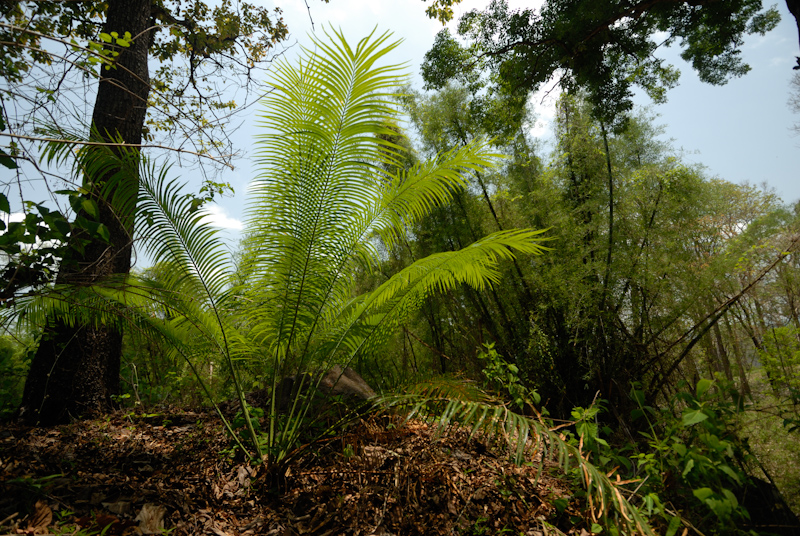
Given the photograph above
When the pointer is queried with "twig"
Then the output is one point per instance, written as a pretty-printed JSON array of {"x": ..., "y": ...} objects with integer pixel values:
[
  {"x": 309, "y": 16},
  {"x": 426, "y": 345},
  {"x": 115, "y": 144}
]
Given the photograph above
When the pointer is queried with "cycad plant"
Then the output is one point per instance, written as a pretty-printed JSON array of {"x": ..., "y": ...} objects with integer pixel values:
[{"x": 323, "y": 205}]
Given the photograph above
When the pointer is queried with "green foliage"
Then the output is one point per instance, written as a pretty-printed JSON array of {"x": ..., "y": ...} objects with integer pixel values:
[
  {"x": 193, "y": 42},
  {"x": 504, "y": 376},
  {"x": 14, "y": 362},
  {"x": 601, "y": 47},
  {"x": 780, "y": 357},
  {"x": 34, "y": 248},
  {"x": 586, "y": 425},
  {"x": 691, "y": 468},
  {"x": 694, "y": 458}
]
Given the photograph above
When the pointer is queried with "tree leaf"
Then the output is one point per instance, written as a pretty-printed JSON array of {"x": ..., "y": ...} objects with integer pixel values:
[
  {"x": 674, "y": 525},
  {"x": 103, "y": 232},
  {"x": 7, "y": 161},
  {"x": 703, "y": 386},
  {"x": 703, "y": 493},
  {"x": 689, "y": 466},
  {"x": 90, "y": 207},
  {"x": 693, "y": 417}
]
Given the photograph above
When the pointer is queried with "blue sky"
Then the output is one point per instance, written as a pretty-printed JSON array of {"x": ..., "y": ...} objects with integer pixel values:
[{"x": 740, "y": 132}]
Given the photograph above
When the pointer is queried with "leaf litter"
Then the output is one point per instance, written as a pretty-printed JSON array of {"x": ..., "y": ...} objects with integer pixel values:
[{"x": 128, "y": 474}]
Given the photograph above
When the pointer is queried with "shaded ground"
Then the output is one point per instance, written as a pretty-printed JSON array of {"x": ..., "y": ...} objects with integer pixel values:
[{"x": 144, "y": 474}]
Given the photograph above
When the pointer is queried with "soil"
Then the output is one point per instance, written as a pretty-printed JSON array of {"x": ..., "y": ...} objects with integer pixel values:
[{"x": 175, "y": 472}]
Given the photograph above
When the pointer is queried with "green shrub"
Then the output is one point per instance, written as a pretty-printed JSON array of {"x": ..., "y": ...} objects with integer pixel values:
[
  {"x": 14, "y": 363},
  {"x": 694, "y": 459},
  {"x": 780, "y": 357}
]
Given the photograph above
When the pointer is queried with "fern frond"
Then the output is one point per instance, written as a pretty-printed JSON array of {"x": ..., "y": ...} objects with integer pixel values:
[
  {"x": 180, "y": 234},
  {"x": 109, "y": 174},
  {"x": 446, "y": 406},
  {"x": 370, "y": 320},
  {"x": 316, "y": 158},
  {"x": 412, "y": 194}
]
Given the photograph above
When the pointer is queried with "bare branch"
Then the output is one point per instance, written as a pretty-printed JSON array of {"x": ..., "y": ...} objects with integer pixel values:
[{"x": 109, "y": 144}]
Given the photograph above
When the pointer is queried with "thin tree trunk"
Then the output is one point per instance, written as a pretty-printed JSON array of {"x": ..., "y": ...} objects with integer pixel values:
[
  {"x": 744, "y": 387},
  {"x": 75, "y": 371},
  {"x": 610, "y": 216},
  {"x": 722, "y": 353}
]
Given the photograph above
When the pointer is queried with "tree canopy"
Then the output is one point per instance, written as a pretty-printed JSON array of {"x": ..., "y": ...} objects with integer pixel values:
[{"x": 604, "y": 48}]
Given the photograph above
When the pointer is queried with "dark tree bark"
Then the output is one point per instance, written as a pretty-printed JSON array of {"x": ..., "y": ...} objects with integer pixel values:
[
  {"x": 75, "y": 371},
  {"x": 794, "y": 9}
]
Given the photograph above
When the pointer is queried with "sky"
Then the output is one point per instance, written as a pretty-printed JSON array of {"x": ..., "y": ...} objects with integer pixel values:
[{"x": 740, "y": 132}]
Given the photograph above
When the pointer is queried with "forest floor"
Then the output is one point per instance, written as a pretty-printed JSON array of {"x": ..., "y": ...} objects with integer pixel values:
[{"x": 173, "y": 473}]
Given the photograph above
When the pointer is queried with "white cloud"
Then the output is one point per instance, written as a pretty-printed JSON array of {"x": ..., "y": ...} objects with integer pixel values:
[{"x": 216, "y": 215}]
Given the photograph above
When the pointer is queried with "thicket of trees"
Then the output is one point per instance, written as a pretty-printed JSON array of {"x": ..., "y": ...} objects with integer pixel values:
[{"x": 655, "y": 270}]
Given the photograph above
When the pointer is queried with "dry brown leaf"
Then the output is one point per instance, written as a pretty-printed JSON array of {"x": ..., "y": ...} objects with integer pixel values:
[
  {"x": 151, "y": 519},
  {"x": 119, "y": 507},
  {"x": 41, "y": 518}
]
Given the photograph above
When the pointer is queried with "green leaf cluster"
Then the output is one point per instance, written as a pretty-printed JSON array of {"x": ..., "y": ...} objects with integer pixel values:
[
  {"x": 694, "y": 458},
  {"x": 602, "y": 47}
]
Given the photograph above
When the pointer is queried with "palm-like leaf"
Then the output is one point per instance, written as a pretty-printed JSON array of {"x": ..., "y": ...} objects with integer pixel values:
[
  {"x": 370, "y": 320},
  {"x": 317, "y": 158},
  {"x": 447, "y": 403},
  {"x": 323, "y": 195}
]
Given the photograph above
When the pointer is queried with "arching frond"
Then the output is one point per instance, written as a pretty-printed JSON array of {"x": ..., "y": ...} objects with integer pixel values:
[
  {"x": 109, "y": 174},
  {"x": 412, "y": 194},
  {"x": 373, "y": 318},
  {"x": 442, "y": 404},
  {"x": 180, "y": 234},
  {"x": 317, "y": 158}
]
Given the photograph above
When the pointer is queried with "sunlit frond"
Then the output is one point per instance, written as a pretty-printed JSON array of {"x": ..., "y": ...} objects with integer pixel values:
[
  {"x": 180, "y": 234},
  {"x": 373, "y": 318},
  {"x": 317, "y": 157}
]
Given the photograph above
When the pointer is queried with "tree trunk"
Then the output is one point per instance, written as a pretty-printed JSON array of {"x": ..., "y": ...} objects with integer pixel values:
[
  {"x": 722, "y": 353},
  {"x": 794, "y": 9},
  {"x": 75, "y": 371},
  {"x": 744, "y": 383}
]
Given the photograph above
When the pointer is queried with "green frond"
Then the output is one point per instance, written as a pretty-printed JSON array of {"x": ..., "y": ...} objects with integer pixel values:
[
  {"x": 107, "y": 173},
  {"x": 317, "y": 158},
  {"x": 180, "y": 234},
  {"x": 372, "y": 319},
  {"x": 524, "y": 436},
  {"x": 412, "y": 194}
]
